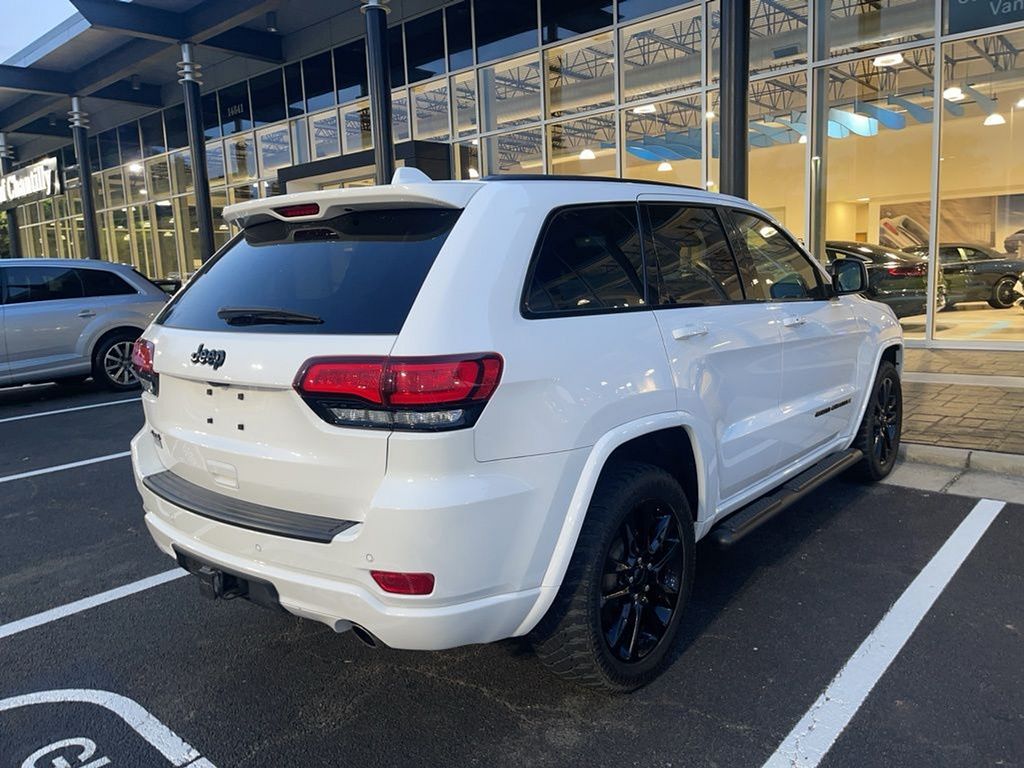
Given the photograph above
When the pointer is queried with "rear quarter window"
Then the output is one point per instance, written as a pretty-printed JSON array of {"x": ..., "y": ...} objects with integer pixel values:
[{"x": 359, "y": 273}]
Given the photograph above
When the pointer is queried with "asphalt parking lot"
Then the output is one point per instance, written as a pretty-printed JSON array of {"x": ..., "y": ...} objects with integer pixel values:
[{"x": 162, "y": 677}]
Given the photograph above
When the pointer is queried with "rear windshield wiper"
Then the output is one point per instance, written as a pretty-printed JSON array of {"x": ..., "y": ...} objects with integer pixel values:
[{"x": 265, "y": 316}]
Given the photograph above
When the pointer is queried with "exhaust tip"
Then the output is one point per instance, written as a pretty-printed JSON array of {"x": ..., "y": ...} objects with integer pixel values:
[{"x": 365, "y": 637}]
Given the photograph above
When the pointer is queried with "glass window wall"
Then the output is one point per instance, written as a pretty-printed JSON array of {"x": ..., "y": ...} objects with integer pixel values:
[{"x": 580, "y": 75}]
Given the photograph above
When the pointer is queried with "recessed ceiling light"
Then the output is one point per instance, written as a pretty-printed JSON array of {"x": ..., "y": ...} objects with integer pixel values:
[
  {"x": 888, "y": 60},
  {"x": 665, "y": 166},
  {"x": 710, "y": 184},
  {"x": 1020, "y": 104},
  {"x": 995, "y": 119},
  {"x": 710, "y": 114},
  {"x": 588, "y": 154},
  {"x": 802, "y": 139},
  {"x": 953, "y": 93},
  {"x": 473, "y": 173},
  {"x": 863, "y": 199},
  {"x": 645, "y": 109}
]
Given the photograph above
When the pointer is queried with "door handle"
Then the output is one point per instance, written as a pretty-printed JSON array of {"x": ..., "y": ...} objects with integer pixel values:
[
  {"x": 793, "y": 321},
  {"x": 87, "y": 313},
  {"x": 689, "y": 332}
]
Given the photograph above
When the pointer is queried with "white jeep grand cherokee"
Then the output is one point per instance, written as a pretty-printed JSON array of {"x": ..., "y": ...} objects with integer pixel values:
[{"x": 440, "y": 413}]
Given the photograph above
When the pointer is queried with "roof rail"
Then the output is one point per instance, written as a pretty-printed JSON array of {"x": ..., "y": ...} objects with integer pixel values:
[{"x": 571, "y": 177}]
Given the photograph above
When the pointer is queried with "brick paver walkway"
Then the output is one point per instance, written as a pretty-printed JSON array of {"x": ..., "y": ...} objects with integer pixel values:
[{"x": 982, "y": 418}]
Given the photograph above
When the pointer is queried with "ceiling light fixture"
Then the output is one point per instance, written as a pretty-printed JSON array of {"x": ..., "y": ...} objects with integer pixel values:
[
  {"x": 953, "y": 93},
  {"x": 136, "y": 83},
  {"x": 1020, "y": 104},
  {"x": 135, "y": 168},
  {"x": 710, "y": 114},
  {"x": 802, "y": 139},
  {"x": 271, "y": 21},
  {"x": 588, "y": 154},
  {"x": 665, "y": 166},
  {"x": 888, "y": 60},
  {"x": 473, "y": 173},
  {"x": 645, "y": 109},
  {"x": 995, "y": 119}
]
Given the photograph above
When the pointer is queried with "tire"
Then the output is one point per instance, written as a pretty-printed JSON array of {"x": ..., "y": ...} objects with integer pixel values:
[
  {"x": 607, "y": 643},
  {"x": 110, "y": 368},
  {"x": 879, "y": 435},
  {"x": 1003, "y": 296}
]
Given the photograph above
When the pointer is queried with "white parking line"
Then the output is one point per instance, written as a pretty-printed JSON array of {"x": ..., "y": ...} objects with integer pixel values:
[
  {"x": 68, "y": 410},
  {"x": 62, "y": 467},
  {"x": 817, "y": 731},
  {"x": 37, "y": 620}
]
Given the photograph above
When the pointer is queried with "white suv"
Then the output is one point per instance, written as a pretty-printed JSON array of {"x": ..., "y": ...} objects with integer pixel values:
[{"x": 440, "y": 413}]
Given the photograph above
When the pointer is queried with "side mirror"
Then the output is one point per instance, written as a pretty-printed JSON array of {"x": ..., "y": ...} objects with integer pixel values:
[{"x": 849, "y": 276}]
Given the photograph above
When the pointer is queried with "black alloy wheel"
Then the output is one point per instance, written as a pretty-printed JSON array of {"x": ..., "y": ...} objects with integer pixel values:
[
  {"x": 879, "y": 435},
  {"x": 615, "y": 622},
  {"x": 643, "y": 574},
  {"x": 1002, "y": 293}
]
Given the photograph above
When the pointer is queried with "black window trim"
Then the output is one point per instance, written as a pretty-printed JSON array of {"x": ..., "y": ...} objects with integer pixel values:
[
  {"x": 824, "y": 287},
  {"x": 90, "y": 268},
  {"x": 717, "y": 211},
  {"x": 529, "y": 314}
]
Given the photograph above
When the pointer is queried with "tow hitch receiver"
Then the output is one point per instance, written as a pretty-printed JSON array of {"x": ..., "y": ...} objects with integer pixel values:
[{"x": 216, "y": 583}]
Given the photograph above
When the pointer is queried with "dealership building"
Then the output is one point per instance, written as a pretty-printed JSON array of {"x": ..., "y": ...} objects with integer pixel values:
[{"x": 892, "y": 122}]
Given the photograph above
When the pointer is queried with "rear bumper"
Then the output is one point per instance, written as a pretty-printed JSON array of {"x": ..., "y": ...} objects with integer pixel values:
[{"x": 487, "y": 538}]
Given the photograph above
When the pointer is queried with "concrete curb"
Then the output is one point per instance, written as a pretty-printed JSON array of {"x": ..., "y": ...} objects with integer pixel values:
[{"x": 1011, "y": 464}]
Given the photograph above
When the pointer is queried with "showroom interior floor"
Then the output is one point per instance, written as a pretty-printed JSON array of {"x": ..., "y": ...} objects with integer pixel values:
[{"x": 964, "y": 399}]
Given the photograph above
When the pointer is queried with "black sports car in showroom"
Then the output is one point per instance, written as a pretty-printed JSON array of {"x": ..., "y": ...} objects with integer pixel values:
[
  {"x": 897, "y": 278},
  {"x": 976, "y": 273}
]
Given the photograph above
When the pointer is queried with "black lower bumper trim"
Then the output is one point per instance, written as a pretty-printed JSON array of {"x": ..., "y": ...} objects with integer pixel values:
[{"x": 244, "y": 514}]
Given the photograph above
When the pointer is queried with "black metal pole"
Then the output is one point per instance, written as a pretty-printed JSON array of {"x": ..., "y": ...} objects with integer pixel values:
[
  {"x": 6, "y": 156},
  {"x": 379, "y": 71},
  {"x": 190, "y": 79},
  {"x": 735, "y": 82},
  {"x": 80, "y": 135}
]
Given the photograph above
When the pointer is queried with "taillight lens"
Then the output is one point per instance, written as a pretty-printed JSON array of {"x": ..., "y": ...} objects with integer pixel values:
[
  {"x": 917, "y": 270},
  {"x": 142, "y": 363},
  {"x": 404, "y": 583},
  {"x": 416, "y": 394}
]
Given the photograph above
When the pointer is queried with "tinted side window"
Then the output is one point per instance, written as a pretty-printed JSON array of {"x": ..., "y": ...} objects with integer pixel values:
[
  {"x": 781, "y": 271},
  {"x": 99, "y": 282},
  {"x": 690, "y": 261},
  {"x": 949, "y": 255},
  {"x": 589, "y": 259},
  {"x": 25, "y": 284}
]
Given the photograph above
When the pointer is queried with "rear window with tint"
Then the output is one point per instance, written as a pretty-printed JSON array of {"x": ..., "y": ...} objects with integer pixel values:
[{"x": 359, "y": 273}]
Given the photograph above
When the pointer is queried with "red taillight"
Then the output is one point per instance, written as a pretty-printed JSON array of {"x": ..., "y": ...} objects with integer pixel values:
[
  {"x": 441, "y": 381},
  {"x": 142, "y": 363},
  {"x": 409, "y": 393},
  {"x": 142, "y": 356},
  {"x": 918, "y": 270},
  {"x": 404, "y": 583},
  {"x": 345, "y": 378},
  {"x": 303, "y": 209}
]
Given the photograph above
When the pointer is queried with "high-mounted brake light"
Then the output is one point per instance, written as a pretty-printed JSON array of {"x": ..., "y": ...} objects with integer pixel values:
[
  {"x": 411, "y": 393},
  {"x": 142, "y": 363},
  {"x": 303, "y": 209}
]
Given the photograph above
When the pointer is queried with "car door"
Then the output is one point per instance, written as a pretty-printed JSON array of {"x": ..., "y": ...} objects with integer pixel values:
[
  {"x": 724, "y": 352},
  {"x": 823, "y": 338},
  {"x": 44, "y": 316},
  {"x": 980, "y": 273}
]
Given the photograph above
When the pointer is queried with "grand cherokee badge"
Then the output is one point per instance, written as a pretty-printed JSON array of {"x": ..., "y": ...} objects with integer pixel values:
[{"x": 213, "y": 357}]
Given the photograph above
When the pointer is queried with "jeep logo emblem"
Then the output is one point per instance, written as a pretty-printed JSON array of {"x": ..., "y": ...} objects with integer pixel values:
[{"x": 212, "y": 357}]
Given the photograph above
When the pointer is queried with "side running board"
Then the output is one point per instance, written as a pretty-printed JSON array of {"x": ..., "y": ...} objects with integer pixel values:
[{"x": 748, "y": 518}]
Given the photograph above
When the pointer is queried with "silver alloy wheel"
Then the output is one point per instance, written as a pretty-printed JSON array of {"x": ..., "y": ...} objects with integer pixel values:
[{"x": 117, "y": 363}]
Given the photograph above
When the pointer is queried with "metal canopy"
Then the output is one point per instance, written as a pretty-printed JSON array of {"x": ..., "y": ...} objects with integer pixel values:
[{"x": 118, "y": 41}]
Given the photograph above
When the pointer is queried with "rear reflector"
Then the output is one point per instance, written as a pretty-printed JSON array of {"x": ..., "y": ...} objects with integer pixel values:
[
  {"x": 411, "y": 393},
  {"x": 404, "y": 583},
  {"x": 292, "y": 211}
]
